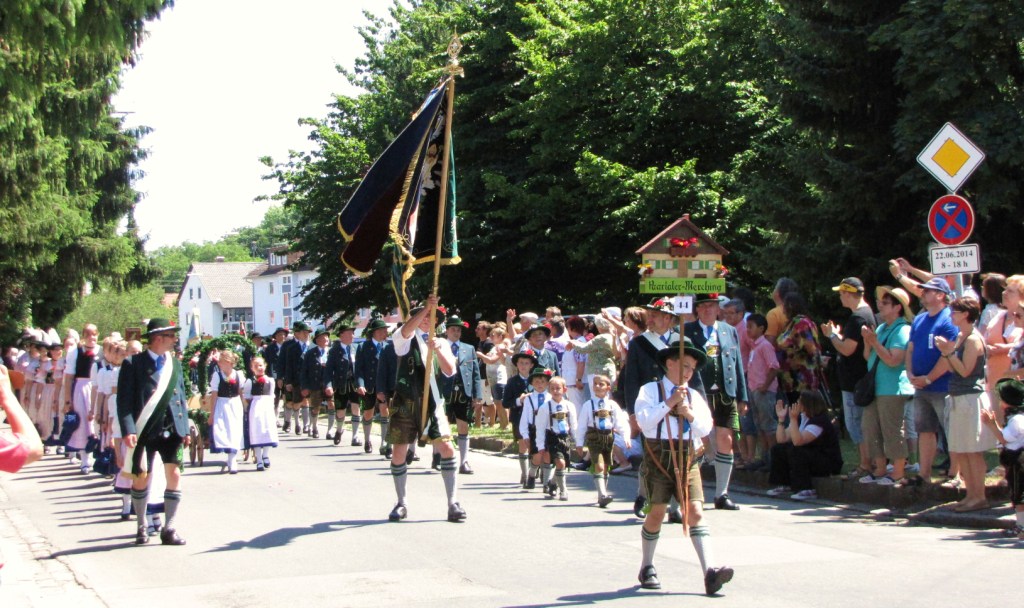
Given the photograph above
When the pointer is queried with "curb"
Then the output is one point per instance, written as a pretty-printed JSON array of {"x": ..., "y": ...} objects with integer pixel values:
[{"x": 929, "y": 505}]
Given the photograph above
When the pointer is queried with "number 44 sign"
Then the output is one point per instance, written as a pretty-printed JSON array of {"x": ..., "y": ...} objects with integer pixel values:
[{"x": 956, "y": 260}]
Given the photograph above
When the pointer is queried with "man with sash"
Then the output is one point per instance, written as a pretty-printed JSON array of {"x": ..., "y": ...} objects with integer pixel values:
[
  {"x": 642, "y": 367},
  {"x": 367, "y": 362},
  {"x": 725, "y": 386},
  {"x": 412, "y": 343},
  {"x": 674, "y": 419},
  {"x": 151, "y": 407},
  {"x": 462, "y": 390}
]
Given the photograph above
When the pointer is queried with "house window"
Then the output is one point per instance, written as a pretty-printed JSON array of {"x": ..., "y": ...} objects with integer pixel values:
[
  {"x": 666, "y": 264},
  {"x": 191, "y": 294},
  {"x": 270, "y": 285},
  {"x": 286, "y": 300},
  {"x": 200, "y": 291},
  {"x": 287, "y": 322},
  {"x": 364, "y": 313},
  {"x": 271, "y": 317}
]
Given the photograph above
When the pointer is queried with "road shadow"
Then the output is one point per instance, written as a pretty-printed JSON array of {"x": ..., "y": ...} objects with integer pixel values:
[
  {"x": 284, "y": 536},
  {"x": 586, "y": 599},
  {"x": 611, "y": 523},
  {"x": 989, "y": 538},
  {"x": 121, "y": 542}
]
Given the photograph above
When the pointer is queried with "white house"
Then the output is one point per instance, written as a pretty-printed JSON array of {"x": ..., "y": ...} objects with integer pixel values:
[
  {"x": 276, "y": 297},
  {"x": 275, "y": 292},
  {"x": 215, "y": 299}
]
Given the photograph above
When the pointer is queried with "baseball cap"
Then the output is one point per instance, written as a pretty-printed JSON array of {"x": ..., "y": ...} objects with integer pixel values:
[{"x": 850, "y": 285}]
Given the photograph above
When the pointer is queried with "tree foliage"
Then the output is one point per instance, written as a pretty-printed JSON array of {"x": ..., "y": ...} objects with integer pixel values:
[
  {"x": 114, "y": 310},
  {"x": 788, "y": 130},
  {"x": 66, "y": 162}
]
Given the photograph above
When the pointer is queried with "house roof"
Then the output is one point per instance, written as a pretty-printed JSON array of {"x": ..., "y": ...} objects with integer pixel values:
[
  {"x": 685, "y": 223},
  {"x": 266, "y": 270},
  {"x": 224, "y": 282}
]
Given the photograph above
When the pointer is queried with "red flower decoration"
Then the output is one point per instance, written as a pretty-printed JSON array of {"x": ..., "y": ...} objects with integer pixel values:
[
  {"x": 713, "y": 295},
  {"x": 547, "y": 373},
  {"x": 261, "y": 380},
  {"x": 529, "y": 352},
  {"x": 465, "y": 324},
  {"x": 442, "y": 310}
]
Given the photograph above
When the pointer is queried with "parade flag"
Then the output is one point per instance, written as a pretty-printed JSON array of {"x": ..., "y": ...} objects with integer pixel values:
[{"x": 393, "y": 194}]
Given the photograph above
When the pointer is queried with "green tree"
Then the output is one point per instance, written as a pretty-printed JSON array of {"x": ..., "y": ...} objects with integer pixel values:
[
  {"x": 172, "y": 261},
  {"x": 114, "y": 310},
  {"x": 66, "y": 164}
]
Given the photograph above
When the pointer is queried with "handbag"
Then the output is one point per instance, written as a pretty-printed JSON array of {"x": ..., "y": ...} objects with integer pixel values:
[
  {"x": 864, "y": 389},
  {"x": 71, "y": 422},
  {"x": 105, "y": 464}
]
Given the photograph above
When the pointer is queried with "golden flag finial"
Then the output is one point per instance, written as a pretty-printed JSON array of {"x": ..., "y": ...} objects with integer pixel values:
[{"x": 454, "y": 48}]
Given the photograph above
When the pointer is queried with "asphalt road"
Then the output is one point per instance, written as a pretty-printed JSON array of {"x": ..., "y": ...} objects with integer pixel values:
[{"x": 313, "y": 531}]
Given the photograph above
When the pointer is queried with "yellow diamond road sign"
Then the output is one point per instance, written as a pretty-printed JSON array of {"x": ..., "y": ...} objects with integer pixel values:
[{"x": 951, "y": 157}]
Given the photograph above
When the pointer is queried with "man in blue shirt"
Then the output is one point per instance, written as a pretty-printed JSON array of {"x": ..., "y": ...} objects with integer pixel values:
[{"x": 927, "y": 371}]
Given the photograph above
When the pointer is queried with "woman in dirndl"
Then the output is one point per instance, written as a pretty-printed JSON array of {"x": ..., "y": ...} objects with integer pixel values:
[
  {"x": 258, "y": 391},
  {"x": 228, "y": 430}
]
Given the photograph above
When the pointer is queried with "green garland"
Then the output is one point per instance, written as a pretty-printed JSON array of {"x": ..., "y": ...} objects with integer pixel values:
[{"x": 235, "y": 342}]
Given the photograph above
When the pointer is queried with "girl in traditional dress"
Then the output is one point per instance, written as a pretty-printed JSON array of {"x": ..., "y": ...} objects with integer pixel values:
[
  {"x": 48, "y": 403},
  {"x": 259, "y": 393},
  {"x": 78, "y": 381},
  {"x": 123, "y": 481},
  {"x": 228, "y": 432}
]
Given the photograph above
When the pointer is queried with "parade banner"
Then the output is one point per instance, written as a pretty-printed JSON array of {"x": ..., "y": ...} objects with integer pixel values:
[{"x": 367, "y": 218}]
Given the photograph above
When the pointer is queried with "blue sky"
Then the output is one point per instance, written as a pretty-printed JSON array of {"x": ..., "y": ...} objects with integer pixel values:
[{"x": 222, "y": 83}]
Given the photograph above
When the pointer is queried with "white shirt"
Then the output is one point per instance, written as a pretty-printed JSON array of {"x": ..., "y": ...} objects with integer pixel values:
[
  {"x": 652, "y": 411},
  {"x": 546, "y": 420},
  {"x": 585, "y": 418},
  {"x": 403, "y": 344},
  {"x": 531, "y": 405},
  {"x": 1013, "y": 432},
  {"x": 215, "y": 380}
]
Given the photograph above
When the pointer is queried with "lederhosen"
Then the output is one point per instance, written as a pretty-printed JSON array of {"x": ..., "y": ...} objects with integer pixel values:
[
  {"x": 722, "y": 406},
  {"x": 159, "y": 435},
  {"x": 532, "y": 427},
  {"x": 556, "y": 437},
  {"x": 346, "y": 392},
  {"x": 600, "y": 437},
  {"x": 658, "y": 470},
  {"x": 458, "y": 406},
  {"x": 407, "y": 405}
]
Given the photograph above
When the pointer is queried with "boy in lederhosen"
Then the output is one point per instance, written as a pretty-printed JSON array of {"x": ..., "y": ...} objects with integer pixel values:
[
  {"x": 532, "y": 403},
  {"x": 315, "y": 381},
  {"x": 516, "y": 389},
  {"x": 674, "y": 419},
  {"x": 598, "y": 421},
  {"x": 556, "y": 427},
  {"x": 341, "y": 361}
]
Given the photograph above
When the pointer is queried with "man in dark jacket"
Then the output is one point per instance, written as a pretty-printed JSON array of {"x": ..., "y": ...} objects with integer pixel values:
[
  {"x": 367, "y": 361},
  {"x": 153, "y": 414},
  {"x": 315, "y": 381},
  {"x": 290, "y": 360}
]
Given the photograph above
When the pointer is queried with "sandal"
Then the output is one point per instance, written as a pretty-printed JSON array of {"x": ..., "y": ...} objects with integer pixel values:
[
  {"x": 954, "y": 484},
  {"x": 967, "y": 508},
  {"x": 858, "y": 473}
]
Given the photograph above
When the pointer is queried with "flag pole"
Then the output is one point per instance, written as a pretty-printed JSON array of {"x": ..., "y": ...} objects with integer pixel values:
[{"x": 452, "y": 69}]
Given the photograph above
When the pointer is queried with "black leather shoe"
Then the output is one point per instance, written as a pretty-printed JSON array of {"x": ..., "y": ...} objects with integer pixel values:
[
  {"x": 456, "y": 513},
  {"x": 714, "y": 578},
  {"x": 605, "y": 500},
  {"x": 649, "y": 578},
  {"x": 388, "y": 451},
  {"x": 435, "y": 462},
  {"x": 141, "y": 538},
  {"x": 398, "y": 513},
  {"x": 465, "y": 469},
  {"x": 368, "y": 448},
  {"x": 410, "y": 458},
  {"x": 316, "y": 432},
  {"x": 170, "y": 537},
  {"x": 638, "y": 506},
  {"x": 531, "y": 483},
  {"x": 337, "y": 438},
  {"x": 551, "y": 489},
  {"x": 675, "y": 517},
  {"x": 356, "y": 441},
  {"x": 287, "y": 427},
  {"x": 724, "y": 503},
  {"x": 298, "y": 429}
]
